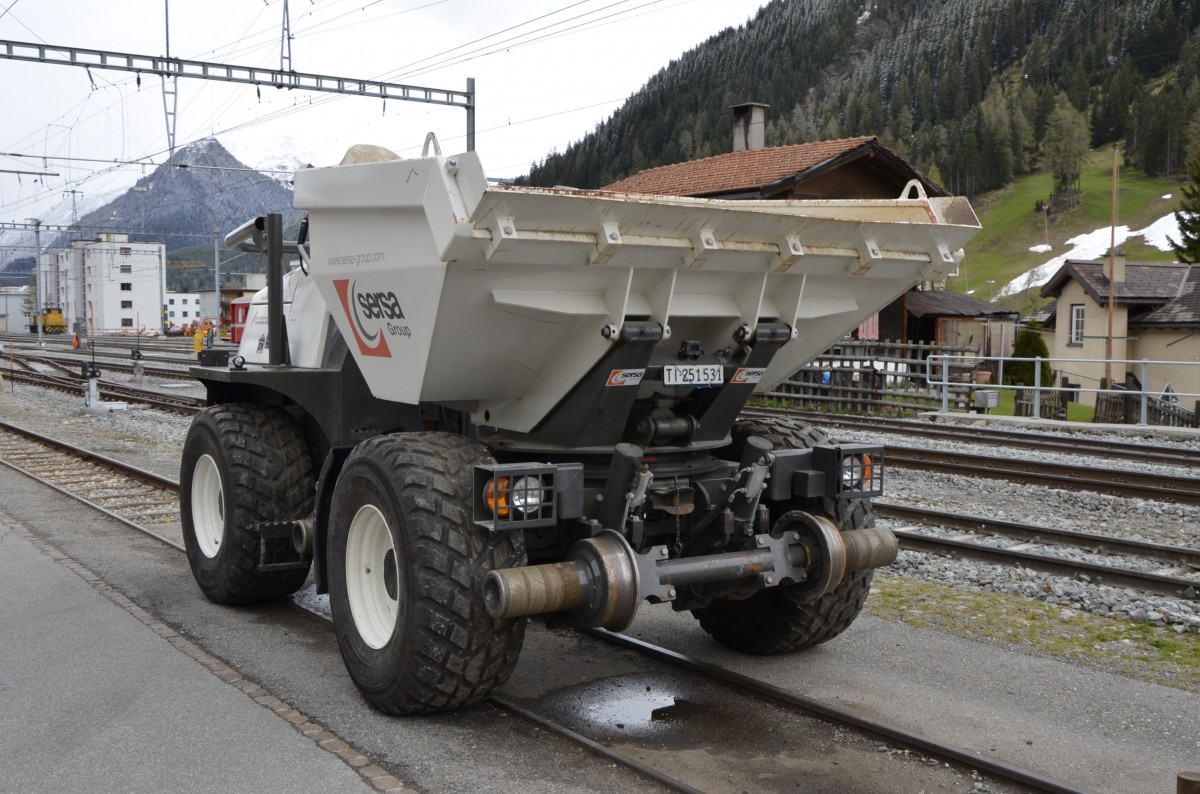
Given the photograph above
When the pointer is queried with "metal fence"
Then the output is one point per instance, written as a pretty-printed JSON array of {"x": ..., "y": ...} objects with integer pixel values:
[
  {"x": 1128, "y": 403},
  {"x": 890, "y": 377},
  {"x": 870, "y": 376}
]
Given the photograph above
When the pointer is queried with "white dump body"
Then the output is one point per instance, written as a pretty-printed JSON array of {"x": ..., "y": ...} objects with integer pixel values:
[{"x": 496, "y": 300}]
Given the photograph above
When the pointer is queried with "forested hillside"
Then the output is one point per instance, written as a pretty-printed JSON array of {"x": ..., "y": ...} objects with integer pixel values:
[{"x": 973, "y": 92}]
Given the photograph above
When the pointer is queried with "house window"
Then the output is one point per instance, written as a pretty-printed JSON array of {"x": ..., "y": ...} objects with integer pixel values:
[
  {"x": 126, "y": 286},
  {"x": 126, "y": 250},
  {"x": 171, "y": 301},
  {"x": 126, "y": 267},
  {"x": 185, "y": 314},
  {"x": 126, "y": 322},
  {"x": 126, "y": 304},
  {"x": 1076, "y": 324},
  {"x": 171, "y": 315}
]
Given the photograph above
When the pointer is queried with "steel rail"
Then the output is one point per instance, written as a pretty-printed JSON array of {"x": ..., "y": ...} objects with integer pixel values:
[
  {"x": 595, "y": 747},
  {"x": 171, "y": 402},
  {"x": 1169, "y": 586},
  {"x": 105, "y": 363},
  {"x": 1115, "y": 482},
  {"x": 54, "y": 446},
  {"x": 892, "y": 733},
  {"x": 1077, "y": 445},
  {"x": 1034, "y": 533}
]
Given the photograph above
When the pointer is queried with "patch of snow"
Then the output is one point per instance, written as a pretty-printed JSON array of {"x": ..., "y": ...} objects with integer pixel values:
[
  {"x": 277, "y": 157},
  {"x": 1092, "y": 245},
  {"x": 1156, "y": 233},
  {"x": 1167, "y": 197},
  {"x": 1040, "y": 248}
]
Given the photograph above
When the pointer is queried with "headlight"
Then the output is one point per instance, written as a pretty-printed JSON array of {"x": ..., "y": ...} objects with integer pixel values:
[
  {"x": 526, "y": 494},
  {"x": 507, "y": 496},
  {"x": 856, "y": 470}
]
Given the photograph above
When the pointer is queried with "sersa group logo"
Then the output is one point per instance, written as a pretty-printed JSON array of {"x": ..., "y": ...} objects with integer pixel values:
[
  {"x": 626, "y": 377},
  {"x": 748, "y": 375},
  {"x": 372, "y": 316}
]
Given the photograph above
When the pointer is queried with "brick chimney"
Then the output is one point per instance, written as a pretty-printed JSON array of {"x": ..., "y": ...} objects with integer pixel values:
[{"x": 749, "y": 126}]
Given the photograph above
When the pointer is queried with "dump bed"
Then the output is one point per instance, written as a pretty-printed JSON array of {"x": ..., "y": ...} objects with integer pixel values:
[{"x": 498, "y": 300}]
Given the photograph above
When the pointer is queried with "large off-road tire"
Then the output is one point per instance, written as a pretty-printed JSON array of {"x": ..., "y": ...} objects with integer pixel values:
[
  {"x": 406, "y": 571},
  {"x": 242, "y": 464},
  {"x": 782, "y": 619}
]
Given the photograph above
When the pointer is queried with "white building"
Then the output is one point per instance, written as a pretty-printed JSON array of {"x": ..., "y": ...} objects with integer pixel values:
[
  {"x": 13, "y": 314},
  {"x": 108, "y": 285},
  {"x": 183, "y": 308}
]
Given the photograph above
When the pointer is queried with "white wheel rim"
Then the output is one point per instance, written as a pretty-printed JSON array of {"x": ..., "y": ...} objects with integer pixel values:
[
  {"x": 371, "y": 571},
  {"x": 208, "y": 506}
]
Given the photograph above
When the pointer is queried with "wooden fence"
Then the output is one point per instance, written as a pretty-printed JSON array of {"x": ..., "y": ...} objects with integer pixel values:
[
  {"x": 1126, "y": 409},
  {"x": 878, "y": 377}
]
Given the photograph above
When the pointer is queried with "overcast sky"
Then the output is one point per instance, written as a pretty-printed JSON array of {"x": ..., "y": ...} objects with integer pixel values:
[{"x": 546, "y": 72}]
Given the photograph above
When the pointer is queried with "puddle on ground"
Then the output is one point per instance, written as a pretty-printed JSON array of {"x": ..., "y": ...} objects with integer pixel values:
[{"x": 644, "y": 707}]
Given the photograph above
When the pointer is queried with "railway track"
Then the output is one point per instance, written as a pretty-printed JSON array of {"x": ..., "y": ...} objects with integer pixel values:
[
  {"x": 73, "y": 384},
  {"x": 140, "y": 499},
  {"x": 148, "y": 503},
  {"x": 68, "y": 364},
  {"x": 981, "y": 539},
  {"x": 1081, "y": 476},
  {"x": 1077, "y": 444}
]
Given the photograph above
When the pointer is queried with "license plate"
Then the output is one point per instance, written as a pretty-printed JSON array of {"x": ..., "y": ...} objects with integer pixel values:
[{"x": 693, "y": 375}]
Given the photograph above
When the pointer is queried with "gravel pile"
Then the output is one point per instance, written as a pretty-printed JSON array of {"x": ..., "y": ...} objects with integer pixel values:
[{"x": 153, "y": 440}]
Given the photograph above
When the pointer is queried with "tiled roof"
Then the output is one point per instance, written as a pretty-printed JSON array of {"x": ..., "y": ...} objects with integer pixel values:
[
  {"x": 1183, "y": 311},
  {"x": 1147, "y": 283},
  {"x": 736, "y": 171}
]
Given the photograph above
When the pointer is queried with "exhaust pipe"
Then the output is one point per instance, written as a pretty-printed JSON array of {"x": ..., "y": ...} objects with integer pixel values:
[
  {"x": 603, "y": 580},
  {"x": 302, "y": 536}
]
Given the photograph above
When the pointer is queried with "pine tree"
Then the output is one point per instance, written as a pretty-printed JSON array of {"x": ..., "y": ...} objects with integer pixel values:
[{"x": 1188, "y": 214}]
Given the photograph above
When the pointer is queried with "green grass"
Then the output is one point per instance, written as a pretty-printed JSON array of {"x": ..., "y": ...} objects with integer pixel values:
[
  {"x": 1007, "y": 407},
  {"x": 1011, "y": 224},
  {"x": 1139, "y": 650}
]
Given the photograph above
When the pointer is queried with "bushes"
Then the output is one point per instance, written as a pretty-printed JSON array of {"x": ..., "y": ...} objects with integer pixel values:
[{"x": 1029, "y": 344}]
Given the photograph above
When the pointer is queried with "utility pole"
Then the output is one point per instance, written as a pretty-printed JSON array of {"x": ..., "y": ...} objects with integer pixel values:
[
  {"x": 73, "y": 194},
  {"x": 285, "y": 41},
  {"x": 37, "y": 276},
  {"x": 170, "y": 90},
  {"x": 1112, "y": 271},
  {"x": 217, "y": 267}
]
